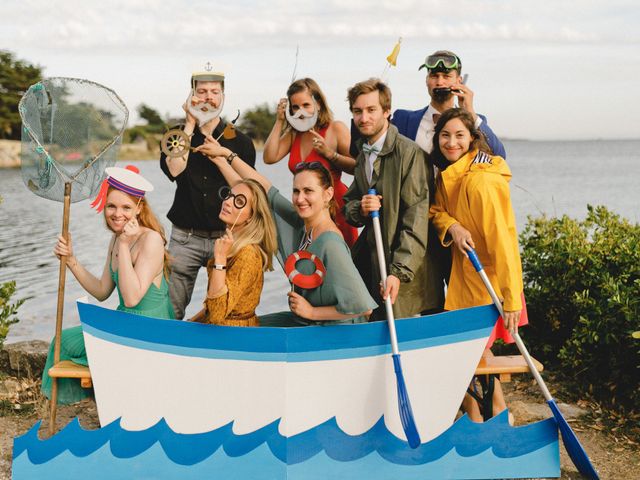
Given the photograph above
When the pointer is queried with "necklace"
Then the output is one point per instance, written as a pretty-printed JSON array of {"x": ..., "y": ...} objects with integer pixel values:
[{"x": 307, "y": 239}]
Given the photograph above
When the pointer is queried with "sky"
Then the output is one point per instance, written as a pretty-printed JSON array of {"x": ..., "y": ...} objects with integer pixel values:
[{"x": 540, "y": 70}]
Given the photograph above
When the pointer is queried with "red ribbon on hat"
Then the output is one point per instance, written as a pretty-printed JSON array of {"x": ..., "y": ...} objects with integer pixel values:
[{"x": 101, "y": 199}]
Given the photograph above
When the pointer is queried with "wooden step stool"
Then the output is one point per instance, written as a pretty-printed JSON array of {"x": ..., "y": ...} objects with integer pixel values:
[
  {"x": 500, "y": 367},
  {"x": 68, "y": 369}
]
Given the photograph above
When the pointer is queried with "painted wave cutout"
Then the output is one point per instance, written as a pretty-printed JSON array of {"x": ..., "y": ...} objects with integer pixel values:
[{"x": 469, "y": 439}]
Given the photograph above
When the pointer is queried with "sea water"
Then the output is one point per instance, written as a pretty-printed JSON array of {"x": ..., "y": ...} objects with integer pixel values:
[{"x": 553, "y": 177}]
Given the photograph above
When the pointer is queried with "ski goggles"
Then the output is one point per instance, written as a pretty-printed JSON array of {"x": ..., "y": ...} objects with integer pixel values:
[{"x": 442, "y": 61}]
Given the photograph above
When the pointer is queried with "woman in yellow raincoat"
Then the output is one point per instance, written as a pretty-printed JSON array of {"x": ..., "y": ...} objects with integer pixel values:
[{"x": 472, "y": 209}]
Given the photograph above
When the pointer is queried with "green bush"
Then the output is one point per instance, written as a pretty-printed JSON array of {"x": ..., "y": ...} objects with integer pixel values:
[
  {"x": 582, "y": 284},
  {"x": 7, "y": 310},
  {"x": 133, "y": 133},
  {"x": 258, "y": 122}
]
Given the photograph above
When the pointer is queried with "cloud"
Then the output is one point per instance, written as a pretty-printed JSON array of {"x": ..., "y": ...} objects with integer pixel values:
[{"x": 148, "y": 25}]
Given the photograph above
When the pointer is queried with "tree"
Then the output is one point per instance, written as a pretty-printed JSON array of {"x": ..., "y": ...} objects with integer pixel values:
[
  {"x": 155, "y": 124},
  {"x": 258, "y": 122},
  {"x": 8, "y": 310},
  {"x": 16, "y": 76}
]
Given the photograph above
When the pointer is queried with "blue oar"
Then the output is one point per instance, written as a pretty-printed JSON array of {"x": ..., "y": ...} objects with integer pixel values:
[
  {"x": 571, "y": 442},
  {"x": 404, "y": 405}
]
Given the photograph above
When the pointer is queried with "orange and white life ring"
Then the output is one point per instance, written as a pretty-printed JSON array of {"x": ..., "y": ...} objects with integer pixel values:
[{"x": 312, "y": 280}]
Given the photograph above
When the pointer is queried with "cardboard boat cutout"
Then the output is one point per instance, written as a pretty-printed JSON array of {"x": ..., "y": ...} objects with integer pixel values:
[{"x": 178, "y": 399}]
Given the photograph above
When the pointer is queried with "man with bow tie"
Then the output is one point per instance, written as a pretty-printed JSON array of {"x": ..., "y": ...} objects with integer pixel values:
[{"x": 396, "y": 167}]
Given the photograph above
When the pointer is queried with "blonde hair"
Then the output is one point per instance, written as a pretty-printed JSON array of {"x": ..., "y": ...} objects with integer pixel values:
[
  {"x": 146, "y": 218},
  {"x": 260, "y": 230}
]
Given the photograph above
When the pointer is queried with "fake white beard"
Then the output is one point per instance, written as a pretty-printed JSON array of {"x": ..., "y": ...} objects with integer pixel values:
[
  {"x": 203, "y": 111},
  {"x": 302, "y": 121}
]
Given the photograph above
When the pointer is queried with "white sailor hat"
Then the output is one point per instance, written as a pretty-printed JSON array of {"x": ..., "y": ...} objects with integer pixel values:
[
  {"x": 207, "y": 74},
  {"x": 127, "y": 180}
]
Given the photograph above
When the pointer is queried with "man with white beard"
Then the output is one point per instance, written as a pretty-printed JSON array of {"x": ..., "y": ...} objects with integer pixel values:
[{"x": 194, "y": 213}]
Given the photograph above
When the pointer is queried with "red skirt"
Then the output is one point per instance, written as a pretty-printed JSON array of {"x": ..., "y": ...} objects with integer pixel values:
[{"x": 499, "y": 331}]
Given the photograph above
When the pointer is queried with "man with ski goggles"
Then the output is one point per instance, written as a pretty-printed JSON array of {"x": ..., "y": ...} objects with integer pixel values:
[{"x": 445, "y": 83}]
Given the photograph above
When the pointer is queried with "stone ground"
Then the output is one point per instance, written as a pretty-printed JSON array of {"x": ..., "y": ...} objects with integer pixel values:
[{"x": 612, "y": 448}]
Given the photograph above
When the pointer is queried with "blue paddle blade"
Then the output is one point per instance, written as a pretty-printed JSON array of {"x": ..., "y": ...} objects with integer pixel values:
[
  {"x": 572, "y": 444},
  {"x": 406, "y": 414}
]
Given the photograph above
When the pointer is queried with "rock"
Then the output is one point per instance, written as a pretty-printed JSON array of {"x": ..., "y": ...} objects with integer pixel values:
[
  {"x": 24, "y": 359},
  {"x": 10, "y": 153},
  {"x": 527, "y": 412},
  {"x": 570, "y": 411},
  {"x": 9, "y": 389}
]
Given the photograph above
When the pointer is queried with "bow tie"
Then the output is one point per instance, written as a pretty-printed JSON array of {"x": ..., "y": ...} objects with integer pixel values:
[{"x": 369, "y": 149}]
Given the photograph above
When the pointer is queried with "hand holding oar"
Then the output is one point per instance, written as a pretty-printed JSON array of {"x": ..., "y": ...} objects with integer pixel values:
[
  {"x": 404, "y": 405},
  {"x": 571, "y": 442}
]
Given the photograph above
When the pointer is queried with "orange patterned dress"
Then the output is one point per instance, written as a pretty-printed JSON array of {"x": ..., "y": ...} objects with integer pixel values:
[{"x": 235, "y": 305}]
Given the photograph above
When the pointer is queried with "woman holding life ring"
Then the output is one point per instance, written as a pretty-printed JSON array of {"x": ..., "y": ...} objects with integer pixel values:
[{"x": 306, "y": 224}]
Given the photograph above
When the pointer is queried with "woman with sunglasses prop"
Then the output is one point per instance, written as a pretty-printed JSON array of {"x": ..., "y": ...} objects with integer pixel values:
[
  {"x": 306, "y": 224},
  {"x": 136, "y": 266},
  {"x": 305, "y": 130},
  {"x": 472, "y": 209},
  {"x": 240, "y": 257}
]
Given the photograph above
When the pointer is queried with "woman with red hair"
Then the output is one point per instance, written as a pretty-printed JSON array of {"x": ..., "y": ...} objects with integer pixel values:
[{"x": 136, "y": 266}]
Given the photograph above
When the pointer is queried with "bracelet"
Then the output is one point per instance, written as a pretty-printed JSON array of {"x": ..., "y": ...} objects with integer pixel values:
[
  {"x": 335, "y": 156},
  {"x": 231, "y": 156},
  {"x": 217, "y": 266}
]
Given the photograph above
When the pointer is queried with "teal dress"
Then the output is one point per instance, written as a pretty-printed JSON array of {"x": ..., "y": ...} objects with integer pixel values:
[
  {"x": 155, "y": 303},
  {"x": 342, "y": 287}
]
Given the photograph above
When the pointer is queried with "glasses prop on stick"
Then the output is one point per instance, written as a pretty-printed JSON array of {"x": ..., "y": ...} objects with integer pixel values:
[
  {"x": 239, "y": 201},
  {"x": 71, "y": 131}
]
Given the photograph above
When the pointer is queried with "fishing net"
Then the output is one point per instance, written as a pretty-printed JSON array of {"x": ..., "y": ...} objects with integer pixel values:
[{"x": 71, "y": 131}]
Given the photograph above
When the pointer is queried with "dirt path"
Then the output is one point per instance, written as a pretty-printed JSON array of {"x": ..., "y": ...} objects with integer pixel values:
[{"x": 615, "y": 455}]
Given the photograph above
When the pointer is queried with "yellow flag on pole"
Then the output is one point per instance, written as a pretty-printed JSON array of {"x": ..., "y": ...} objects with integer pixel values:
[{"x": 393, "y": 56}]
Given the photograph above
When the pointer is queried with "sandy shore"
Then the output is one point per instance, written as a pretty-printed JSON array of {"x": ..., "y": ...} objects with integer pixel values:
[{"x": 9, "y": 153}]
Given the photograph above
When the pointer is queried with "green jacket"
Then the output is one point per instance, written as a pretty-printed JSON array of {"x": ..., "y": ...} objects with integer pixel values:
[{"x": 404, "y": 181}]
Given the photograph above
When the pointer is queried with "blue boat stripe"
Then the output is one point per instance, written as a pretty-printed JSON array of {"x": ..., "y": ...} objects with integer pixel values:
[
  {"x": 304, "y": 343},
  {"x": 293, "y": 357}
]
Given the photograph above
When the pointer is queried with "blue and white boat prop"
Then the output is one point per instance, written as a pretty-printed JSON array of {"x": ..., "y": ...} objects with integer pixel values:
[{"x": 184, "y": 400}]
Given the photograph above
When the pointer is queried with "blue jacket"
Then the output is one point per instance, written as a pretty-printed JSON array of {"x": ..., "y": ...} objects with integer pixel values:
[{"x": 408, "y": 122}]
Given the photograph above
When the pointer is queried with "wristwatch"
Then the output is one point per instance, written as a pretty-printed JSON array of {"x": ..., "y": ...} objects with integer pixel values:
[
  {"x": 217, "y": 266},
  {"x": 231, "y": 156}
]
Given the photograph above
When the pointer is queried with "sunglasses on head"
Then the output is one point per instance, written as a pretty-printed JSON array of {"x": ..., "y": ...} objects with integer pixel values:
[
  {"x": 239, "y": 200},
  {"x": 308, "y": 166}
]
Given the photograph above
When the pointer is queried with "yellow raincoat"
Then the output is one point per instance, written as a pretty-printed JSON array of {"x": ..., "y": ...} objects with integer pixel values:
[{"x": 474, "y": 191}]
